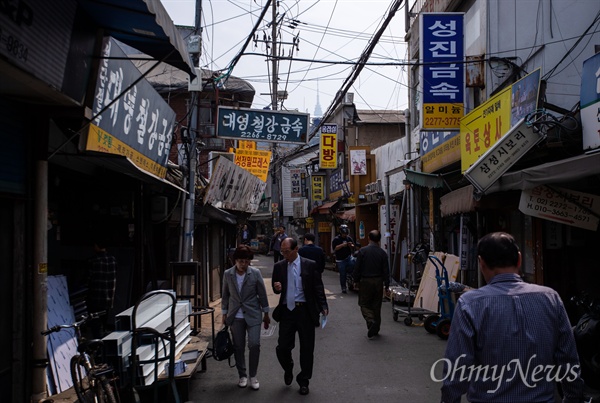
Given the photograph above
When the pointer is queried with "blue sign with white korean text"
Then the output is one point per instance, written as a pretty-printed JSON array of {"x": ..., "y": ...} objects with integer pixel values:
[
  {"x": 442, "y": 50},
  {"x": 262, "y": 125}
]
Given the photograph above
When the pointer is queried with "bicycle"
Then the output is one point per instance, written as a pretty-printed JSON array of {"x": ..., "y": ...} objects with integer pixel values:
[{"x": 92, "y": 382}]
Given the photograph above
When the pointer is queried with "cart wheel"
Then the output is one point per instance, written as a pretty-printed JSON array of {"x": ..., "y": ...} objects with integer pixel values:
[
  {"x": 395, "y": 316},
  {"x": 430, "y": 323},
  {"x": 443, "y": 329},
  {"x": 408, "y": 321},
  {"x": 421, "y": 317}
]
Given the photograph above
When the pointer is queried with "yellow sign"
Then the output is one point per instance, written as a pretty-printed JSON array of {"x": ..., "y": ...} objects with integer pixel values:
[
  {"x": 254, "y": 161},
  {"x": 328, "y": 147},
  {"x": 324, "y": 226},
  {"x": 101, "y": 141},
  {"x": 247, "y": 145},
  {"x": 483, "y": 127},
  {"x": 442, "y": 156},
  {"x": 318, "y": 188},
  {"x": 442, "y": 116},
  {"x": 310, "y": 220},
  {"x": 42, "y": 268}
]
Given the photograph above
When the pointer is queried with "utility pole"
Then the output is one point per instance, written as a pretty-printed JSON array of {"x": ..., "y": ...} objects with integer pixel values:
[{"x": 274, "y": 80}]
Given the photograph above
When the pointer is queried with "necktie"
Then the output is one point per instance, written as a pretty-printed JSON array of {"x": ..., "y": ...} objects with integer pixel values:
[{"x": 291, "y": 288}]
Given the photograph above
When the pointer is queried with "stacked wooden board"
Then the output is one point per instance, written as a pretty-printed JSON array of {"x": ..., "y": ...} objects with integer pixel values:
[{"x": 427, "y": 295}]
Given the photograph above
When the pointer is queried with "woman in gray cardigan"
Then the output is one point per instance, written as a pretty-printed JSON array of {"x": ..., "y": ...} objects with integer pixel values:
[{"x": 245, "y": 306}]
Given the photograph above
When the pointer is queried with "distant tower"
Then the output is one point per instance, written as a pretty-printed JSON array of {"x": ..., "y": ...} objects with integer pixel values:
[{"x": 318, "y": 112}]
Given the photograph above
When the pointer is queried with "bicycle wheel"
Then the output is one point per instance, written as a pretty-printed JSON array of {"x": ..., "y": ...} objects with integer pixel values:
[
  {"x": 108, "y": 391},
  {"x": 88, "y": 388}
]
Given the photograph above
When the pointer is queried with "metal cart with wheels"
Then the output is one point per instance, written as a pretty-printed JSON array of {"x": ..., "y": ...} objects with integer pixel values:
[
  {"x": 403, "y": 301},
  {"x": 439, "y": 323}
]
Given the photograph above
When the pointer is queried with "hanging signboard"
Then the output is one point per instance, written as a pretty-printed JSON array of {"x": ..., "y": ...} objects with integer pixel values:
[
  {"x": 254, "y": 161},
  {"x": 443, "y": 73},
  {"x": 504, "y": 154},
  {"x": 561, "y": 205},
  {"x": 390, "y": 232},
  {"x": 296, "y": 182},
  {"x": 328, "y": 147},
  {"x": 318, "y": 188},
  {"x": 139, "y": 124},
  {"x": 358, "y": 162},
  {"x": 262, "y": 125}
]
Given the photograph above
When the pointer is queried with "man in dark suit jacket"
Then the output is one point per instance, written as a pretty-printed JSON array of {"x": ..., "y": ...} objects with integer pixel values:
[
  {"x": 312, "y": 251},
  {"x": 300, "y": 303}
]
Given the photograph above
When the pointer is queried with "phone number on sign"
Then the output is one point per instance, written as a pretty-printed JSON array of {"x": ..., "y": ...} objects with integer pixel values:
[
  {"x": 442, "y": 122},
  {"x": 273, "y": 137}
]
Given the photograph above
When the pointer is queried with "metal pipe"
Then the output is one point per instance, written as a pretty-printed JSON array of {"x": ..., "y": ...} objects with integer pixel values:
[{"x": 39, "y": 276}]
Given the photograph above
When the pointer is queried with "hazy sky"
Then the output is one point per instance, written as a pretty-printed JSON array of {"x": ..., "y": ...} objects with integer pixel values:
[{"x": 330, "y": 32}]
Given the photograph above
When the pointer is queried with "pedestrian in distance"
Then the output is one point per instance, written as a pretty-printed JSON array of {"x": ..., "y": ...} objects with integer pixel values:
[
  {"x": 245, "y": 306},
  {"x": 343, "y": 248},
  {"x": 312, "y": 251},
  {"x": 302, "y": 298},
  {"x": 510, "y": 341},
  {"x": 275, "y": 245},
  {"x": 372, "y": 273},
  {"x": 102, "y": 283},
  {"x": 245, "y": 235}
]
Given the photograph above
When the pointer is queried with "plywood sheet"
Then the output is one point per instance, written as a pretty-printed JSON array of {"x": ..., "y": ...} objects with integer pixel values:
[{"x": 427, "y": 294}]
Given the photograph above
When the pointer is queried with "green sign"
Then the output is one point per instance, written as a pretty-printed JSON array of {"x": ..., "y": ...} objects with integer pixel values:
[{"x": 262, "y": 125}]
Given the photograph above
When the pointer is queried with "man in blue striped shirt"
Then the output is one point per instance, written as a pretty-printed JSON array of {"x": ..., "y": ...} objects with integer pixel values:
[{"x": 510, "y": 341}]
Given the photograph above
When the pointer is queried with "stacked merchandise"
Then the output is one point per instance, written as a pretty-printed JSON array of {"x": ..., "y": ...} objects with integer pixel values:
[{"x": 154, "y": 313}]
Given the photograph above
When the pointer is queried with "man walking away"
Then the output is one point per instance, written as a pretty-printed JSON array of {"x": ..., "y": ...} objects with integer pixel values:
[
  {"x": 312, "y": 251},
  {"x": 372, "y": 271},
  {"x": 515, "y": 331}
]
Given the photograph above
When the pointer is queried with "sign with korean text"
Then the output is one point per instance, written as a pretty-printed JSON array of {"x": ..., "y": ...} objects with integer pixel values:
[
  {"x": 590, "y": 102},
  {"x": 318, "y": 187},
  {"x": 443, "y": 72},
  {"x": 254, "y": 161},
  {"x": 439, "y": 149},
  {"x": 296, "y": 182},
  {"x": 486, "y": 124},
  {"x": 336, "y": 184},
  {"x": 328, "y": 147},
  {"x": 391, "y": 231},
  {"x": 262, "y": 125},
  {"x": 234, "y": 188},
  {"x": 247, "y": 145},
  {"x": 138, "y": 124},
  {"x": 504, "y": 154},
  {"x": 561, "y": 205},
  {"x": 324, "y": 226}
]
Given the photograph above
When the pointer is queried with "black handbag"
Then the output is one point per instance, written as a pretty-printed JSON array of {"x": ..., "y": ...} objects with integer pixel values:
[{"x": 223, "y": 346}]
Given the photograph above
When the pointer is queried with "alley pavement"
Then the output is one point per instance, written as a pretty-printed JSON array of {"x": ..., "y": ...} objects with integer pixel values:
[{"x": 396, "y": 365}]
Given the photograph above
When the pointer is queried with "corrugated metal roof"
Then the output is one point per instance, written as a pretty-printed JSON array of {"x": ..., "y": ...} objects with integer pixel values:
[{"x": 380, "y": 116}]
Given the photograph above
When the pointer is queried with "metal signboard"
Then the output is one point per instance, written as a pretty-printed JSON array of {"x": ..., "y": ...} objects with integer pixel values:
[
  {"x": 139, "y": 124},
  {"x": 561, "y": 205},
  {"x": 328, "y": 147},
  {"x": 443, "y": 81},
  {"x": 318, "y": 188},
  {"x": 262, "y": 125},
  {"x": 254, "y": 161},
  {"x": 504, "y": 154}
]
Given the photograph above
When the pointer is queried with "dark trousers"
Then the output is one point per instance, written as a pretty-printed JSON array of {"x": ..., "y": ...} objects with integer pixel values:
[
  {"x": 370, "y": 297},
  {"x": 294, "y": 321},
  {"x": 277, "y": 256}
]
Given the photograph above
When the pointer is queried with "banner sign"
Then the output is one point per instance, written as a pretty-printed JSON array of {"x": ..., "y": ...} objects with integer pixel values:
[
  {"x": 296, "y": 179},
  {"x": 138, "y": 125},
  {"x": 486, "y": 124},
  {"x": 254, "y": 161},
  {"x": 328, "y": 147},
  {"x": 504, "y": 154},
  {"x": 318, "y": 188},
  {"x": 262, "y": 125},
  {"x": 561, "y": 205},
  {"x": 394, "y": 225},
  {"x": 590, "y": 102},
  {"x": 443, "y": 72},
  {"x": 358, "y": 162},
  {"x": 233, "y": 188}
]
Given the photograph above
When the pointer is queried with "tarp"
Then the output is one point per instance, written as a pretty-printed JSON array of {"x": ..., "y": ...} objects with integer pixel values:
[{"x": 458, "y": 201}]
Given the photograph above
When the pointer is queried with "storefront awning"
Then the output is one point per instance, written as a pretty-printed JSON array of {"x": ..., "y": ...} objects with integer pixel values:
[
  {"x": 211, "y": 212},
  {"x": 562, "y": 171},
  {"x": 424, "y": 179},
  {"x": 324, "y": 208},
  {"x": 90, "y": 163},
  {"x": 458, "y": 201},
  {"x": 348, "y": 215},
  {"x": 144, "y": 25}
]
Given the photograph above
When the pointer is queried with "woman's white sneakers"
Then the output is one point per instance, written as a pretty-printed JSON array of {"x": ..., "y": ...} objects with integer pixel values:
[
  {"x": 243, "y": 382},
  {"x": 254, "y": 383}
]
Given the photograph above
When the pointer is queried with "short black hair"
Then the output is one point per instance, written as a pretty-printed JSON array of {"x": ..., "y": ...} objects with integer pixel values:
[
  {"x": 293, "y": 243},
  {"x": 243, "y": 252},
  {"x": 309, "y": 236},
  {"x": 498, "y": 249},
  {"x": 375, "y": 235}
]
